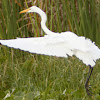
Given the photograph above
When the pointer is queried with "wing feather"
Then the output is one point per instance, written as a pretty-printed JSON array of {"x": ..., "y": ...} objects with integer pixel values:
[
  {"x": 59, "y": 45},
  {"x": 40, "y": 45}
]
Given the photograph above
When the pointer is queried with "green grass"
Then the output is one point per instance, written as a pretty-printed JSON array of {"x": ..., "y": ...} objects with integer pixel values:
[{"x": 26, "y": 76}]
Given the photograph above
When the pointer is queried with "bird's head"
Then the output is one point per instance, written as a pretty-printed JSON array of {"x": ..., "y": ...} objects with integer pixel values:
[
  {"x": 36, "y": 10},
  {"x": 31, "y": 9}
]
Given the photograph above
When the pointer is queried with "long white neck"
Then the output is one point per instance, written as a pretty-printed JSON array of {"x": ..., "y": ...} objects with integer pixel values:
[{"x": 43, "y": 22}]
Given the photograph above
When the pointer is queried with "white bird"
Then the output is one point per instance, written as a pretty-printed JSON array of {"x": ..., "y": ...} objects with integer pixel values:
[{"x": 58, "y": 44}]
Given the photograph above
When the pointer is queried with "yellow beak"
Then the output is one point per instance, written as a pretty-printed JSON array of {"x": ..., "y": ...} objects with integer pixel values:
[{"x": 24, "y": 11}]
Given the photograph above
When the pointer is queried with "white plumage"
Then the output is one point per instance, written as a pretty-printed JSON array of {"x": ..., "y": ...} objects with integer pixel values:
[
  {"x": 59, "y": 45},
  {"x": 56, "y": 44}
]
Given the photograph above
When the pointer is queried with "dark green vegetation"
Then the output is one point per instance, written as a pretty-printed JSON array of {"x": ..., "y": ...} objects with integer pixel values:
[{"x": 25, "y": 76}]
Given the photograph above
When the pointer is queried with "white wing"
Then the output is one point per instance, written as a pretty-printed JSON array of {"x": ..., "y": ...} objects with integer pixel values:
[
  {"x": 48, "y": 45},
  {"x": 59, "y": 45},
  {"x": 91, "y": 54}
]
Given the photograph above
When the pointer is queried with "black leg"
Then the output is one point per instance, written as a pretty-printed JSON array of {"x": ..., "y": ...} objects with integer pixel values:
[{"x": 87, "y": 81}]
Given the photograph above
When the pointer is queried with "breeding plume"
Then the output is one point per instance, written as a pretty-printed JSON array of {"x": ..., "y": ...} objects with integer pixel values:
[{"x": 58, "y": 44}]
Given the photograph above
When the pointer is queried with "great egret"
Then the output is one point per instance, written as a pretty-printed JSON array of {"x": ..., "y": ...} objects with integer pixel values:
[{"x": 58, "y": 44}]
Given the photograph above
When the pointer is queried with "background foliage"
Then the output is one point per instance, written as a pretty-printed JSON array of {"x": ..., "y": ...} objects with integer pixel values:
[{"x": 25, "y": 76}]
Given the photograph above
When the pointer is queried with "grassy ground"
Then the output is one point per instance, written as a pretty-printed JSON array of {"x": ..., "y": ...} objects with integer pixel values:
[{"x": 25, "y": 76}]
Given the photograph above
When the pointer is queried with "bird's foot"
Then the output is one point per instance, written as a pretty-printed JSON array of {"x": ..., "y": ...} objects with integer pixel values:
[{"x": 88, "y": 91}]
